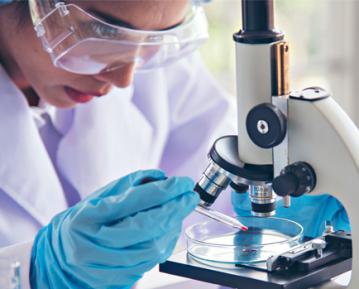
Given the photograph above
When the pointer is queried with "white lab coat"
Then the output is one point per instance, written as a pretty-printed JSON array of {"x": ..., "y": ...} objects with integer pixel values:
[{"x": 166, "y": 120}]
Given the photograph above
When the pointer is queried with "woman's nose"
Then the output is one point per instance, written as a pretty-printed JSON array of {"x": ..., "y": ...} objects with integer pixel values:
[{"x": 120, "y": 77}]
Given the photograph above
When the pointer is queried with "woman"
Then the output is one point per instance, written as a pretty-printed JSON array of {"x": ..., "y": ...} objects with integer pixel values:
[{"x": 75, "y": 116}]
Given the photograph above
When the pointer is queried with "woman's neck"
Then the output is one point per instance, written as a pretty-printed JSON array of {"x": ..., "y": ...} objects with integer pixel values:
[
  {"x": 18, "y": 78},
  {"x": 31, "y": 97}
]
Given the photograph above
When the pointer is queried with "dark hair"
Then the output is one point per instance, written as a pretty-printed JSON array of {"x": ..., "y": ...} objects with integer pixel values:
[{"x": 22, "y": 12}]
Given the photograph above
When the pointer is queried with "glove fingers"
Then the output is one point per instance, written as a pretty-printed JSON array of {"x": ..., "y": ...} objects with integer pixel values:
[
  {"x": 136, "y": 199},
  {"x": 152, "y": 252},
  {"x": 143, "y": 226},
  {"x": 142, "y": 256},
  {"x": 87, "y": 245},
  {"x": 150, "y": 224},
  {"x": 154, "y": 194},
  {"x": 124, "y": 183}
]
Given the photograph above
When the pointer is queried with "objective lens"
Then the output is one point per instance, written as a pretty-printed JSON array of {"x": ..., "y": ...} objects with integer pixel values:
[
  {"x": 263, "y": 200},
  {"x": 213, "y": 181}
]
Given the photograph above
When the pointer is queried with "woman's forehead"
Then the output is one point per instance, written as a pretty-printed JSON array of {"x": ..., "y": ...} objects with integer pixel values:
[{"x": 139, "y": 14}]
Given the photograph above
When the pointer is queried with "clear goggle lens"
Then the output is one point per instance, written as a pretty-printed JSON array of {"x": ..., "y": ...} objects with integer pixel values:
[
  {"x": 80, "y": 43},
  {"x": 93, "y": 56}
]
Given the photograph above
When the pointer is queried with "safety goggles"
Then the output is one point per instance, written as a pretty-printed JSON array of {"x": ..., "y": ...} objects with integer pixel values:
[{"x": 79, "y": 42}]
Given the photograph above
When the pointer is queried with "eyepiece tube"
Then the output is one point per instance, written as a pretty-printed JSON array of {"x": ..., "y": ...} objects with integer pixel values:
[
  {"x": 258, "y": 23},
  {"x": 257, "y": 15}
]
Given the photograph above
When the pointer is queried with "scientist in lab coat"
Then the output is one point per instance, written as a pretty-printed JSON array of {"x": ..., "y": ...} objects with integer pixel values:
[{"x": 79, "y": 131}]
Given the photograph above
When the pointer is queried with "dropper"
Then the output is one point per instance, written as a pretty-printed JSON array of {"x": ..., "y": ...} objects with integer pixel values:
[
  {"x": 220, "y": 217},
  {"x": 208, "y": 212}
]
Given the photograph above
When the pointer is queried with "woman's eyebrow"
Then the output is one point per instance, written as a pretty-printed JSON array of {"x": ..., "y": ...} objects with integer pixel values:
[{"x": 110, "y": 19}]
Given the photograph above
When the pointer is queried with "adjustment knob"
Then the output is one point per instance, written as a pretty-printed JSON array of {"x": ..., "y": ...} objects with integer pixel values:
[
  {"x": 266, "y": 125},
  {"x": 285, "y": 185},
  {"x": 295, "y": 180}
]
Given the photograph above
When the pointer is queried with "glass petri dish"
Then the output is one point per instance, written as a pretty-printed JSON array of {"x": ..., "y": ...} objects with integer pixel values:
[{"x": 212, "y": 241}]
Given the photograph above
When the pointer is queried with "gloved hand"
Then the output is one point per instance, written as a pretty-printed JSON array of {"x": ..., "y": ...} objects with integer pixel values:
[
  {"x": 309, "y": 211},
  {"x": 112, "y": 237}
]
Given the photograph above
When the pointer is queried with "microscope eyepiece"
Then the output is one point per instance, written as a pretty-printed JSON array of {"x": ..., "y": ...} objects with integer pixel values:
[{"x": 258, "y": 23}]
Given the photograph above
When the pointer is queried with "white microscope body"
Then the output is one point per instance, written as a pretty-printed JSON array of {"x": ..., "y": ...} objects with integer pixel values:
[
  {"x": 288, "y": 144},
  {"x": 318, "y": 131}
]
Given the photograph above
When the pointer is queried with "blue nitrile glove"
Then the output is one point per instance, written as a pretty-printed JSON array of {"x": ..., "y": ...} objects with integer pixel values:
[
  {"x": 112, "y": 237},
  {"x": 4, "y": 2},
  {"x": 309, "y": 211}
]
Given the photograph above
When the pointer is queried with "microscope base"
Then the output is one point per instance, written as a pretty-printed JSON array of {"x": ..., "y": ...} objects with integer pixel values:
[
  {"x": 298, "y": 268},
  {"x": 245, "y": 278}
]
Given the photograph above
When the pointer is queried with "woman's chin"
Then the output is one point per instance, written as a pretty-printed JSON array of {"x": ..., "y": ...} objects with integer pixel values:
[{"x": 61, "y": 103}]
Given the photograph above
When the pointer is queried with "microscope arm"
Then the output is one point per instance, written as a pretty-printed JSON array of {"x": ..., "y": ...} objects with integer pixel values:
[
  {"x": 290, "y": 143},
  {"x": 323, "y": 135}
]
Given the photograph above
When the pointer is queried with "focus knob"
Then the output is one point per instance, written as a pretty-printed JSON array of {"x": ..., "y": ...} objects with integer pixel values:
[
  {"x": 266, "y": 125},
  {"x": 295, "y": 180},
  {"x": 285, "y": 184}
]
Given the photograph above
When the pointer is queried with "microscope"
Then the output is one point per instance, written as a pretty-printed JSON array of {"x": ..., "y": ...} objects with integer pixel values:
[{"x": 289, "y": 144}]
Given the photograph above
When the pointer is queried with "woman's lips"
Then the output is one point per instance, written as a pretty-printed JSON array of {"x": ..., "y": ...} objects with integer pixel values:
[{"x": 79, "y": 96}]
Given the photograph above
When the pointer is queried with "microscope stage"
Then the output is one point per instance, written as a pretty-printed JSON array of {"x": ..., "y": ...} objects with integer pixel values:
[{"x": 184, "y": 265}]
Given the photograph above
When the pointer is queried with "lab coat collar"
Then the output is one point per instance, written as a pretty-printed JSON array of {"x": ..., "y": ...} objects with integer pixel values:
[
  {"x": 61, "y": 119},
  {"x": 26, "y": 172},
  {"x": 96, "y": 149}
]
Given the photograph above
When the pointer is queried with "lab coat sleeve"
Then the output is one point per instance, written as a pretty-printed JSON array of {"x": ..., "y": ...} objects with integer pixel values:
[
  {"x": 200, "y": 112},
  {"x": 20, "y": 252}
]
